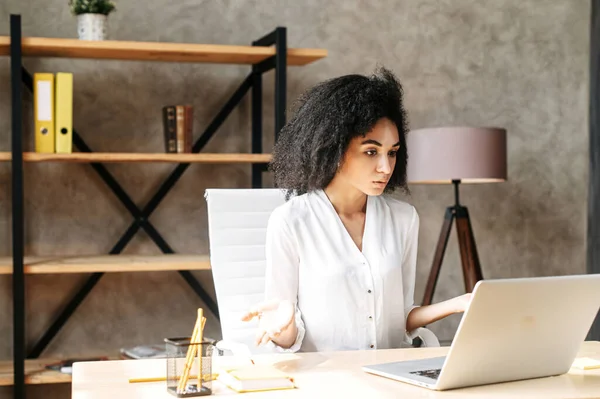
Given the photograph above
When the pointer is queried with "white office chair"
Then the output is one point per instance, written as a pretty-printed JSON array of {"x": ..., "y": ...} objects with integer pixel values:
[{"x": 237, "y": 223}]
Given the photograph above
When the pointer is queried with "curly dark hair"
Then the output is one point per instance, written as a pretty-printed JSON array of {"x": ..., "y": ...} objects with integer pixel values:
[{"x": 311, "y": 146}]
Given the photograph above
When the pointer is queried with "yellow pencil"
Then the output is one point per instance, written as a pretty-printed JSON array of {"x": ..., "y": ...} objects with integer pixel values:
[
  {"x": 191, "y": 353},
  {"x": 157, "y": 379},
  {"x": 200, "y": 338}
]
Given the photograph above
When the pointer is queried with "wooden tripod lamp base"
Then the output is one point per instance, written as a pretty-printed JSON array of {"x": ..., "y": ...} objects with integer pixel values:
[{"x": 468, "y": 251}]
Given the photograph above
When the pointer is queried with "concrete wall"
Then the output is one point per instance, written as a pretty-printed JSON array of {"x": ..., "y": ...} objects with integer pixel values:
[{"x": 519, "y": 64}]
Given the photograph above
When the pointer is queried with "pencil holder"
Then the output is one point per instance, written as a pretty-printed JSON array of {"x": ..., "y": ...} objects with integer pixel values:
[{"x": 183, "y": 364}]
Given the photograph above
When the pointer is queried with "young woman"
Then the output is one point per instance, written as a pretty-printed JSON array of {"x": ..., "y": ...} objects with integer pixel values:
[{"x": 341, "y": 254}]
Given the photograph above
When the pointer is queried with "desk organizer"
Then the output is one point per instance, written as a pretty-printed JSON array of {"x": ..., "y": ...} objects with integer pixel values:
[{"x": 183, "y": 363}]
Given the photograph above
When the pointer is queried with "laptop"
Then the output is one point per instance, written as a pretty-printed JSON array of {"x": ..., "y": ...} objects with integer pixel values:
[{"x": 514, "y": 329}]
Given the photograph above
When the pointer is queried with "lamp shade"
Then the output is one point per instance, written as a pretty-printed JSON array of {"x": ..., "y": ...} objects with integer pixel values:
[{"x": 469, "y": 154}]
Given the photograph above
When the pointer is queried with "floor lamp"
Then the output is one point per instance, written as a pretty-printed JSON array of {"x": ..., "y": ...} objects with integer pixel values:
[{"x": 454, "y": 155}]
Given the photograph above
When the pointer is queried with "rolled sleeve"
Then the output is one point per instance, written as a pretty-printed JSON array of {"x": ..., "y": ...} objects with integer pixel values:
[{"x": 299, "y": 337}]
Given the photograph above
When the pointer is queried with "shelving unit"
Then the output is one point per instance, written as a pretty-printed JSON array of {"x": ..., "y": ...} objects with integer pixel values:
[{"x": 267, "y": 53}]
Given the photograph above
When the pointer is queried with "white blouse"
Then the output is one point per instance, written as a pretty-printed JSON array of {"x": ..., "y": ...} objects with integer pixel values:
[{"x": 345, "y": 299}]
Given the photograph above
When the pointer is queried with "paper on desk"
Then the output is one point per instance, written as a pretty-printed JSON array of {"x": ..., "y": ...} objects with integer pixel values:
[
  {"x": 586, "y": 363},
  {"x": 229, "y": 362},
  {"x": 237, "y": 348}
]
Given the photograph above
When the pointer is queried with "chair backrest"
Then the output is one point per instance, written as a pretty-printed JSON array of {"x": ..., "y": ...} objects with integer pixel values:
[{"x": 237, "y": 223}]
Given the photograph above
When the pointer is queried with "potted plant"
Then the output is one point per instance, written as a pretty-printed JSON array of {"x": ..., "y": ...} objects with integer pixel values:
[{"x": 92, "y": 17}]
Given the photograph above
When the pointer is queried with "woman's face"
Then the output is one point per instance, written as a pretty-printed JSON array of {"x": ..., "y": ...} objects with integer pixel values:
[{"x": 369, "y": 161}]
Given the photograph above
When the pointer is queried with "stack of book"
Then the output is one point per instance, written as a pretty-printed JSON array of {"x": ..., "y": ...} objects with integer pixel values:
[{"x": 178, "y": 127}]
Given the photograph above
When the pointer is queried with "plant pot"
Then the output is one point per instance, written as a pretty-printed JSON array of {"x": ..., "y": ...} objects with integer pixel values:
[{"x": 92, "y": 26}]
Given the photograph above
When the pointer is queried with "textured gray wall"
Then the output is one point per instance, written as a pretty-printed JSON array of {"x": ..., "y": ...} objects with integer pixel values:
[{"x": 516, "y": 64}]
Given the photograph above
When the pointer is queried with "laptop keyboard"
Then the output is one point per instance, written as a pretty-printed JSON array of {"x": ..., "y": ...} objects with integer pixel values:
[{"x": 432, "y": 373}]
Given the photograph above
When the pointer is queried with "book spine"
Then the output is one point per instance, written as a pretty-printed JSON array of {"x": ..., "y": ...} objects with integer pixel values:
[
  {"x": 170, "y": 129},
  {"x": 180, "y": 127},
  {"x": 188, "y": 129}
]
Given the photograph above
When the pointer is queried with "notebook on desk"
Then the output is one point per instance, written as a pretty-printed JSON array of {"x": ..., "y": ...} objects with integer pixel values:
[
  {"x": 254, "y": 378},
  {"x": 514, "y": 329}
]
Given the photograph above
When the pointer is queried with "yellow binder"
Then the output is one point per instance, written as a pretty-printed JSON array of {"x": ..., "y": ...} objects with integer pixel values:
[
  {"x": 64, "y": 112},
  {"x": 43, "y": 86}
]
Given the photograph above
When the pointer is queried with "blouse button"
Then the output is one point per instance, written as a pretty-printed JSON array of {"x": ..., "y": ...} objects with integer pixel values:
[
  {"x": 372, "y": 346},
  {"x": 369, "y": 291}
]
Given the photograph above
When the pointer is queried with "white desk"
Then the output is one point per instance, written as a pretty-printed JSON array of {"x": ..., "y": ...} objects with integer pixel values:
[{"x": 331, "y": 375}]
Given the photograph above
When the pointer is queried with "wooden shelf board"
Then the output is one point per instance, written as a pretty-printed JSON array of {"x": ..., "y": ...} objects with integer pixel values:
[
  {"x": 156, "y": 51},
  {"x": 36, "y": 372},
  {"x": 107, "y": 263},
  {"x": 105, "y": 157}
]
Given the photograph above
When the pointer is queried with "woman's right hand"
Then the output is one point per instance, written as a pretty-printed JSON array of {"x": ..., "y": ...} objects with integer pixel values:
[{"x": 276, "y": 322}]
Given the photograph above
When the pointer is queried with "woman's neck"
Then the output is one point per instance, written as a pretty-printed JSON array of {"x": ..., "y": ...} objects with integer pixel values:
[{"x": 346, "y": 199}]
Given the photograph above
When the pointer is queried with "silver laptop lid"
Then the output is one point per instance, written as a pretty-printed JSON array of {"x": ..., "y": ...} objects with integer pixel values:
[{"x": 521, "y": 328}]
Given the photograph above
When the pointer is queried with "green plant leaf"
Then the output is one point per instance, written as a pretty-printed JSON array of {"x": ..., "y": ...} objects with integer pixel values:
[{"x": 104, "y": 7}]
